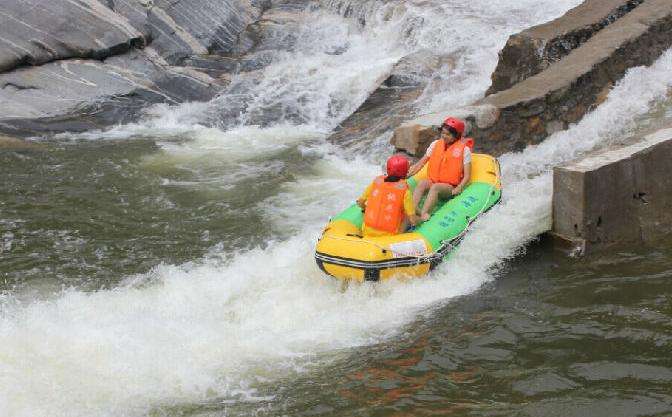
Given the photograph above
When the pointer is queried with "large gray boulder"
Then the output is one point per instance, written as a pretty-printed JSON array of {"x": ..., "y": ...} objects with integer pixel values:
[
  {"x": 103, "y": 60},
  {"x": 34, "y": 32},
  {"x": 53, "y": 96},
  {"x": 200, "y": 26},
  {"x": 393, "y": 101}
]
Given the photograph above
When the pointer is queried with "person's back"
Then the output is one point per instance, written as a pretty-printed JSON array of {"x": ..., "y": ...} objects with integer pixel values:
[{"x": 387, "y": 201}]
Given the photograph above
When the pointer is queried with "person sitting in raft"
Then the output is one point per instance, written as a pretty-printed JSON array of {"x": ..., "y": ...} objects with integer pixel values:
[
  {"x": 449, "y": 168},
  {"x": 387, "y": 202}
]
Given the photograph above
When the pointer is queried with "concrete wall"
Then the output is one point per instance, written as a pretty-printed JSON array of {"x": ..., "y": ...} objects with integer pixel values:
[{"x": 621, "y": 195}]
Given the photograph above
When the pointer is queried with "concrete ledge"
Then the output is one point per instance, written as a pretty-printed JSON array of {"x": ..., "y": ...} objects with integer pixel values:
[
  {"x": 533, "y": 50},
  {"x": 621, "y": 195},
  {"x": 562, "y": 94}
]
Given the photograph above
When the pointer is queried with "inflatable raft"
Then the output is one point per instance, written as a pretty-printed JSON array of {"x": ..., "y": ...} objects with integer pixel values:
[{"x": 343, "y": 252}]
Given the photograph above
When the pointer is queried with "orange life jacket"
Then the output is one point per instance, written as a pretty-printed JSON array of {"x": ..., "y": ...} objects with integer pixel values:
[
  {"x": 446, "y": 163},
  {"x": 385, "y": 205}
]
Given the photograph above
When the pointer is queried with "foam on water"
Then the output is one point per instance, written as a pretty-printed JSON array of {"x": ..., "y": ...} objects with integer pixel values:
[
  {"x": 213, "y": 146},
  {"x": 217, "y": 326},
  {"x": 213, "y": 328}
]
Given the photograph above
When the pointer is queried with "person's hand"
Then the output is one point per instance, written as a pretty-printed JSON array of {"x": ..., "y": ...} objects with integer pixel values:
[
  {"x": 361, "y": 203},
  {"x": 413, "y": 219},
  {"x": 456, "y": 190},
  {"x": 412, "y": 170}
]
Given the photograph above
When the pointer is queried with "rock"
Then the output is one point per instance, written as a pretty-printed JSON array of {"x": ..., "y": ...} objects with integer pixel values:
[
  {"x": 415, "y": 139},
  {"x": 572, "y": 86},
  {"x": 80, "y": 64},
  {"x": 51, "y": 96},
  {"x": 563, "y": 93},
  {"x": 384, "y": 108},
  {"x": 203, "y": 25},
  {"x": 214, "y": 65},
  {"x": 416, "y": 135},
  {"x": 275, "y": 30},
  {"x": 169, "y": 38},
  {"x": 535, "y": 49},
  {"x": 34, "y": 32},
  {"x": 393, "y": 102},
  {"x": 64, "y": 58},
  {"x": 416, "y": 69},
  {"x": 620, "y": 195},
  {"x": 178, "y": 29}
]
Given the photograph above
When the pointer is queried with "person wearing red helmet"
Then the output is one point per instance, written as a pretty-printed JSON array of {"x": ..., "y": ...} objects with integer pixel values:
[
  {"x": 387, "y": 202},
  {"x": 449, "y": 169}
]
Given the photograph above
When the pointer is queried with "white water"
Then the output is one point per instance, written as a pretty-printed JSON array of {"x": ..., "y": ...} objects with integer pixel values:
[{"x": 215, "y": 327}]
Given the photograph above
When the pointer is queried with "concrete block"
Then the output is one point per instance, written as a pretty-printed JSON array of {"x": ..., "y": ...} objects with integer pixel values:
[
  {"x": 414, "y": 138},
  {"x": 620, "y": 195}
]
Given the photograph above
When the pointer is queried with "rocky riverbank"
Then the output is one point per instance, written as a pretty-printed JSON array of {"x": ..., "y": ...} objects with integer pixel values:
[
  {"x": 555, "y": 87},
  {"x": 78, "y": 65}
]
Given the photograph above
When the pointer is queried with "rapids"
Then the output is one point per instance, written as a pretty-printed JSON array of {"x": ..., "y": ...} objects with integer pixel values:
[{"x": 252, "y": 308}]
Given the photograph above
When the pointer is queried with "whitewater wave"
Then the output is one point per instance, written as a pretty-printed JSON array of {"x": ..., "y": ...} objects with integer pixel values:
[
  {"x": 218, "y": 326},
  {"x": 221, "y": 325}
]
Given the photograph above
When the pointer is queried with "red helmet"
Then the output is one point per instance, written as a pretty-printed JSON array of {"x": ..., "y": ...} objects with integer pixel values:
[
  {"x": 397, "y": 166},
  {"x": 456, "y": 124}
]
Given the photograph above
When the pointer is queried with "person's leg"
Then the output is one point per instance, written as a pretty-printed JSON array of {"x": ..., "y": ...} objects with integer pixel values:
[
  {"x": 432, "y": 197},
  {"x": 419, "y": 191}
]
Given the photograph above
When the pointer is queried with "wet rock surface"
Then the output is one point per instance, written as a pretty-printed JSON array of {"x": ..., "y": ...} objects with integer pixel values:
[
  {"x": 394, "y": 101},
  {"x": 75, "y": 65},
  {"x": 35, "y": 32},
  {"x": 47, "y": 97}
]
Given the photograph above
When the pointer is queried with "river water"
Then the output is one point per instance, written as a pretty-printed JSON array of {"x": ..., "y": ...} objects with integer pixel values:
[{"x": 165, "y": 268}]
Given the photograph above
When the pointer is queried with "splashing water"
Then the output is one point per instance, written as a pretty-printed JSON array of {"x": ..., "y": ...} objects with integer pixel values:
[{"x": 216, "y": 326}]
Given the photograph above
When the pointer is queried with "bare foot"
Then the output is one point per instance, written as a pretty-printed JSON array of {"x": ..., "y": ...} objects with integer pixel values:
[{"x": 424, "y": 217}]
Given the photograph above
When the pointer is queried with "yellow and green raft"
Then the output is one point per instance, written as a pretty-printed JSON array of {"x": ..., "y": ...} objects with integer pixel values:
[{"x": 346, "y": 254}]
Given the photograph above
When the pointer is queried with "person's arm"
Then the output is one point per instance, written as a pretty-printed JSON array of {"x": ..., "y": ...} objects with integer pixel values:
[
  {"x": 421, "y": 163},
  {"x": 418, "y": 166},
  {"x": 465, "y": 179},
  {"x": 409, "y": 208},
  {"x": 361, "y": 201}
]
